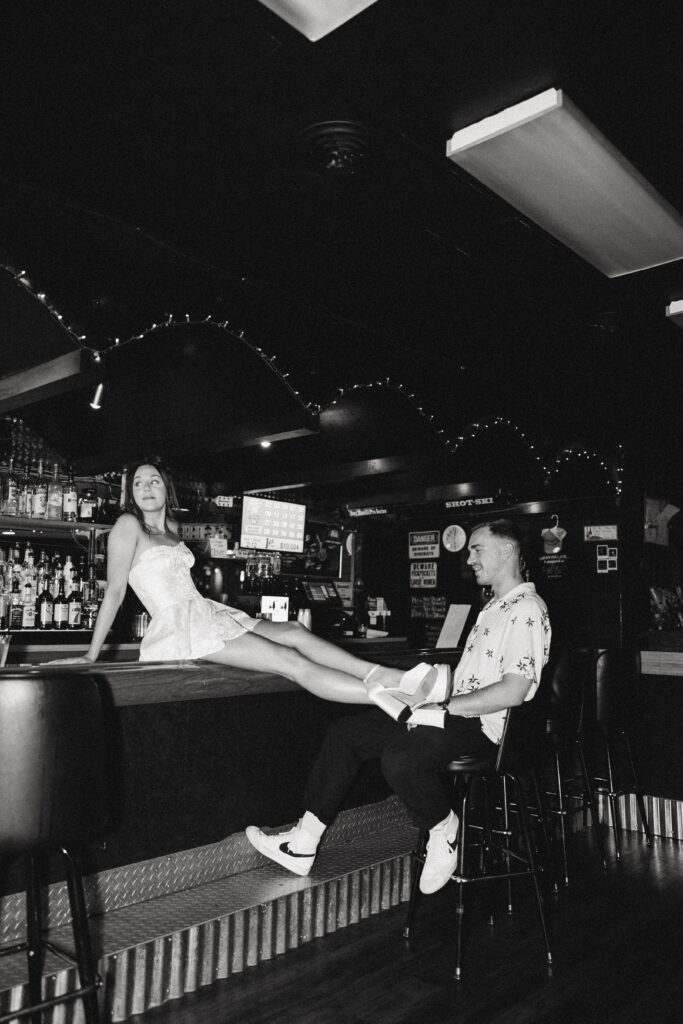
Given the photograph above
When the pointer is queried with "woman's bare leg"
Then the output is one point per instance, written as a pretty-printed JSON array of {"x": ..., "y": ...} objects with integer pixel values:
[
  {"x": 322, "y": 652},
  {"x": 252, "y": 651}
]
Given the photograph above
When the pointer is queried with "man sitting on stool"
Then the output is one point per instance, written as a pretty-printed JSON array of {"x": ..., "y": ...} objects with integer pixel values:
[{"x": 500, "y": 668}]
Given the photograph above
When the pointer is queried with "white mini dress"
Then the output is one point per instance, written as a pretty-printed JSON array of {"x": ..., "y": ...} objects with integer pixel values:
[{"x": 183, "y": 625}]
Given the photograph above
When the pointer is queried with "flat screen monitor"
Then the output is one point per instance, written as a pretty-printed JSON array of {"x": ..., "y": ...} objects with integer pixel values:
[
  {"x": 321, "y": 593},
  {"x": 270, "y": 525}
]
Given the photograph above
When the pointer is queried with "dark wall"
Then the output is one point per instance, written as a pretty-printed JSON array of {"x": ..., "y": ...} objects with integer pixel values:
[{"x": 587, "y": 607}]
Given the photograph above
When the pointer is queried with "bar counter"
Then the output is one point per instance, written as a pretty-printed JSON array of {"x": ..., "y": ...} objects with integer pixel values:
[{"x": 206, "y": 749}]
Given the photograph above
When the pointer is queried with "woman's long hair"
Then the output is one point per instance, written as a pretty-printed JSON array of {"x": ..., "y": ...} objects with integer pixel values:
[{"x": 129, "y": 503}]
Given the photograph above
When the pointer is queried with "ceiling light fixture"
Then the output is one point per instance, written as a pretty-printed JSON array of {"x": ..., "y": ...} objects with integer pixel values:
[
  {"x": 545, "y": 158},
  {"x": 265, "y": 444},
  {"x": 97, "y": 397},
  {"x": 316, "y": 18},
  {"x": 674, "y": 312}
]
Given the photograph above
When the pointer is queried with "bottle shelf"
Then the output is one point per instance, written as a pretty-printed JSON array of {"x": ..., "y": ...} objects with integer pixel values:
[{"x": 45, "y": 527}]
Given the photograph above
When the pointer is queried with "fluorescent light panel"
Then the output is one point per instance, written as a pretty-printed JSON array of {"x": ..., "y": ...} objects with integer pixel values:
[
  {"x": 674, "y": 312},
  {"x": 545, "y": 158},
  {"x": 316, "y": 18}
]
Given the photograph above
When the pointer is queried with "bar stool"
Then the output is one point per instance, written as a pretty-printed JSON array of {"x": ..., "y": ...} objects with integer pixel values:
[
  {"x": 614, "y": 673},
  {"x": 519, "y": 755},
  {"x": 54, "y": 795},
  {"x": 565, "y": 678}
]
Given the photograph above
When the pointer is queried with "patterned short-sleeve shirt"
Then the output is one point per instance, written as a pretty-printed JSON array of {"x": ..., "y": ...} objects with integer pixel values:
[{"x": 511, "y": 634}]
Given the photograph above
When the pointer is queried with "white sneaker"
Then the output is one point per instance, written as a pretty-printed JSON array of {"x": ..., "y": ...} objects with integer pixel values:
[
  {"x": 442, "y": 856},
  {"x": 291, "y": 849}
]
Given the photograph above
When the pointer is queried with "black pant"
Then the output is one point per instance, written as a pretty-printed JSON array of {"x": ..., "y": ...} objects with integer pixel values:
[{"x": 412, "y": 762}]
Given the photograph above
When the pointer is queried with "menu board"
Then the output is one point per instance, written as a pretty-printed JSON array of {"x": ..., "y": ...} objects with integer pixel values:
[{"x": 271, "y": 525}]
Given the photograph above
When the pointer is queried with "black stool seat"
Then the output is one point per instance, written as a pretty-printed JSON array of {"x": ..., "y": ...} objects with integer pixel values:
[
  {"x": 615, "y": 672},
  {"x": 54, "y": 786},
  {"x": 472, "y": 763},
  {"x": 567, "y": 683}
]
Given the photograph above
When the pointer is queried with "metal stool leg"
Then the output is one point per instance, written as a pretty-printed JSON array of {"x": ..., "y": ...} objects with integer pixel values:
[
  {"x": 34, "y": 928},
  {"x": 638, "y": 791},
  {"x": 612, "y": 797},
  {"x": 460, "y": 906},
  {"x": 562, "y": 813},
  {"x": 593, "y": 805},
  {"x": 526, "y": 835},
  {"x": 543, "y": 824},
  {"x": 418, "y": 862},
  {"x": 81, "y": 931}
]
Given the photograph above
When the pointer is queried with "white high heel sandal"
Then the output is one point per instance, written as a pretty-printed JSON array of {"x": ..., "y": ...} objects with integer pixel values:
[{"x": 422, "y": 684}]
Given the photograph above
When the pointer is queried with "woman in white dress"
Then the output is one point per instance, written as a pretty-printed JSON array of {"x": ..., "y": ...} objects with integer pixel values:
[{"x": 145, "y": 551}]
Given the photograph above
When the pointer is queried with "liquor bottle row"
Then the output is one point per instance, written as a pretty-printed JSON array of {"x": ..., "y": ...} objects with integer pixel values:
[
  {"x": 47, "y": 594},
  {"x": 36, "y": 496}
]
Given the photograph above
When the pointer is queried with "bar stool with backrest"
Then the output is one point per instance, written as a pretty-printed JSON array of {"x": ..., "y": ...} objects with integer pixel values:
[
  {"x": 614, "y": 676},
  {"x": 54, "y": 785},
  {"x": 565, "y": 679},
  {"x": 519, "y": 756}
]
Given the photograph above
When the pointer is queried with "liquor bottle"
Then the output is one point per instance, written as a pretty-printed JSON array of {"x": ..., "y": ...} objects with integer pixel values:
[
  {"x": 68, "y": 573},
  {"x": 54, "y": 495},
  {"x": 61, "y": 608},
  {"x": 91, "y": 603},
  {"x": 16, "y": 559},
  {"x": 25, "y": 501},
  {"x": 56, "y": 573},
  {"x": 45, "y": 607},
  {"x": 28, "y": 569},
  {"x": 87, "y": 505},
  {"x": 70, "y": 499},
  {"x": 39, "y": 505},
  {"x": 15, "y": 605},
  {"x": 75, "y": 609},
  {"x": 10, "y": 501},
  {"x": 28, "y": 606}
]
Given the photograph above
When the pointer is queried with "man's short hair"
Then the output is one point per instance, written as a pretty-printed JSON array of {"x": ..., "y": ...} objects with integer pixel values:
[{"x": 506, "y": 529}]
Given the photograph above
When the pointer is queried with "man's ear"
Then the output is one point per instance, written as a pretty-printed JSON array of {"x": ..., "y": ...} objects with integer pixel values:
[{"x": 508, "y": 550}]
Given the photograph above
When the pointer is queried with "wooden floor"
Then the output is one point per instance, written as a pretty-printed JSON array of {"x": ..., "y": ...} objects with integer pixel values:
[{"x": 617, "y": 945}]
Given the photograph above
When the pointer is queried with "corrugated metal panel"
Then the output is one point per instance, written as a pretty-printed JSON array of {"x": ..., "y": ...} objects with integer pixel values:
[
  {"x": 182, "y": 942},
  {"x": 665, "y": 816},
  {"x": 178, "y": 872}
]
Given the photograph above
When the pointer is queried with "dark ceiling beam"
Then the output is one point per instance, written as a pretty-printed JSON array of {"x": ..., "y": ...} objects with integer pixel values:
[
  {"x": 245, "y": 434},
  {"x": 65, "y": 373}
]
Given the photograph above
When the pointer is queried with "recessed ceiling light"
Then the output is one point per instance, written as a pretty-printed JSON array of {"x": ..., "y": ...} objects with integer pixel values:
[{"x": 316, "y": 18}]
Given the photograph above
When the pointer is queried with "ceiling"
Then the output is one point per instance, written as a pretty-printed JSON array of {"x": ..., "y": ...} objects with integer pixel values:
[{"x": 162, "y": 164}]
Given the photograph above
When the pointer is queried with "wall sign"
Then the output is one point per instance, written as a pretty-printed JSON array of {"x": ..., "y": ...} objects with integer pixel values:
[
  {"x": 600, "y": 532},
  {"x": 423, "y": 575},
  {"x": 553, "y": 567},
  {"x": 607, "y": 558},
  {"x": 468, "y": 502},
  {"x": 423, "y": 545}
]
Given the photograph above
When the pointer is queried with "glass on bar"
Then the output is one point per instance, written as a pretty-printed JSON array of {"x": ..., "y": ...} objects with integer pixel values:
[{"x": 4, "y": 648}]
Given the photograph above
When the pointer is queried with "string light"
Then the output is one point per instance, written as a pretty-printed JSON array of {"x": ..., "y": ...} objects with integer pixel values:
[
  {"x": 389, "y": 385},
  {"x": 98, "y": 354},
  {"x": 471, "y": 432},
  {"x": 475, "y": 429},
  {"x": 570, "y": 454}
]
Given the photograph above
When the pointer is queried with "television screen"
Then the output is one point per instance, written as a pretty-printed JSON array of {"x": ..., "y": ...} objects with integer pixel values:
[
  {"x": 271, "y": 525},
  {"x": 321, "y": 592}
]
